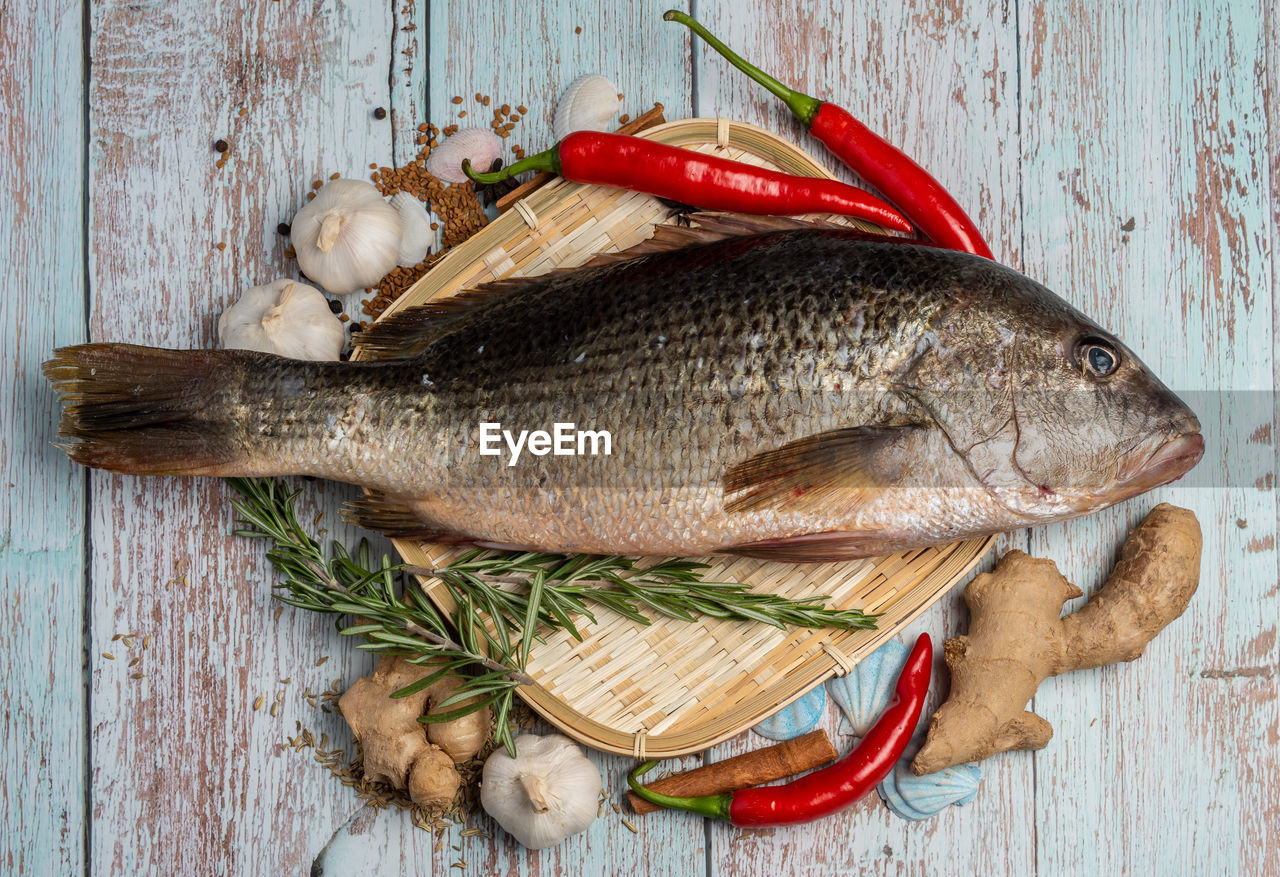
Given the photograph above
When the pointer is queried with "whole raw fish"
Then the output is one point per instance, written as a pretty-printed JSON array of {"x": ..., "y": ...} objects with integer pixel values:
[{"x": 803, "y": 394}]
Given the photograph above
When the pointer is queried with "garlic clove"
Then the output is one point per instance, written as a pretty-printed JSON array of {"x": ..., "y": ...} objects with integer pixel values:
[
  {"x": 477, "y": 144},
  {"x": 418, "y": 238},
  {"x": 347, "y": 237},
  {"x": 588, "y": 104},
  {"x": 286, "y": 318}
]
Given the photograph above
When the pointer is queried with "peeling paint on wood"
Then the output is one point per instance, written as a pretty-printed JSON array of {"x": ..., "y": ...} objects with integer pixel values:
[{"x": 1123, "y": 156}]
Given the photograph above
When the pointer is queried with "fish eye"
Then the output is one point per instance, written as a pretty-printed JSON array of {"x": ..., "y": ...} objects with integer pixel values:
[{"x": 1097, "y": 357}]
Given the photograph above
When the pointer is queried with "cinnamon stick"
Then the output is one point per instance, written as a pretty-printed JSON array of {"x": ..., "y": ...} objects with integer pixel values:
[{"x": 775, "y": 762}]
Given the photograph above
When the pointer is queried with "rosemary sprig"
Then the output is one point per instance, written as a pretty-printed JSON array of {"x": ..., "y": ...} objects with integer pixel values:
[{"x": 505, "y": 601}]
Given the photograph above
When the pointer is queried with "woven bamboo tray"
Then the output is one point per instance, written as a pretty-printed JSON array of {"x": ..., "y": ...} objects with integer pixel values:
[{"x": 672, "y": 688}]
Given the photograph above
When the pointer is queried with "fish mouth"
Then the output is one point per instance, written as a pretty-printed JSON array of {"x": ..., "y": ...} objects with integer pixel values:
[{"x": 1144, "y": 468}]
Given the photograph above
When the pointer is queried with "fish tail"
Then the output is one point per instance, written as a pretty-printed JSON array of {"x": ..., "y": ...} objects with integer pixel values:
[{"x": 151, "y": 411}]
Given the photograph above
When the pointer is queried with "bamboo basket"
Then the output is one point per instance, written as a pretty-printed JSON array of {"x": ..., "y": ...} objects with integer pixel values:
[{"x": 672, "y": 688}]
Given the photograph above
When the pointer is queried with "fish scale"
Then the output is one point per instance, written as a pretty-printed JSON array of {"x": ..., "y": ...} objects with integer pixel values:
[{"x": 860, "y": 394}]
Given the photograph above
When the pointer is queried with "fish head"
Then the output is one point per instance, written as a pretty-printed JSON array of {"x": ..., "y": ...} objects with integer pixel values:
[{"x": 1050, "y": 412}]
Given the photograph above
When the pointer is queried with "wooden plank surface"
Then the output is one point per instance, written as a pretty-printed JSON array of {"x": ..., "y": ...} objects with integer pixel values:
[
  {"x": 184, "y": 769},
  {"x": 42, "y": 701},
  {"x": 1055, "y": 122},
  {"x": 1145, "y": 143}
]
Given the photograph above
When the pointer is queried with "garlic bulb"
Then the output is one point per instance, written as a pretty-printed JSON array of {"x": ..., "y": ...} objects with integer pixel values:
[
  {"x": 417, "y": 238},
  {"x": 588, "y": 104},
  {"x": 287, "y": 318},
  {"x": 347, "y": 237},
  {"x": 480, "y": 145},
  {"x": 548, "y": 792}
]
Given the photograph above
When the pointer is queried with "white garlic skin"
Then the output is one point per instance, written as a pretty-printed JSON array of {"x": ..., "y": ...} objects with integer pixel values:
[
  {"x": 588, "y": 104},
  {"x": 417, "y": 238},
  {"x": 286, "y": 318},
  {"x": 480, "y": 145},
  {"x": 347, "y": 237},
  {"x": 547, "y": 793}
]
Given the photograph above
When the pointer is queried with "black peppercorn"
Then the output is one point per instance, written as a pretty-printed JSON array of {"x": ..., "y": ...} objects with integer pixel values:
[
  {"x": 335, "y": 305},
  {"x": 283, "y": 228},
  {"x": 221, "y": 145},
  {"x": 379, "y": 113}
]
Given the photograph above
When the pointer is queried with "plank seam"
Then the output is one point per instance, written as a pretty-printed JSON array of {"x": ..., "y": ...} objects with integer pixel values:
[{"x": 86, "y": 543}]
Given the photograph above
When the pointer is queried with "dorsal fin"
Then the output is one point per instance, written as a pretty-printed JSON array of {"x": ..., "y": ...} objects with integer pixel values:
[
  {"x": 710, "y": 227},
  {"x": 408, "y": 332}
]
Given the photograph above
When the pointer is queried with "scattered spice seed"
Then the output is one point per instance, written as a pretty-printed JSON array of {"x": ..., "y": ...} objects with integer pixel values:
[
  {"x": 244, "y": 111},
  {"x": 335, "y": 176},
  {"x": 624, "y": 118},
  {"x": 135, "y": 662},
  {"x": 117, "y": 637},
  {"x": 221, "y": 145},
  {"x": 577, "y": 30},
  {"x": 522, "y": 109},
  {"x": 630, "y": 825},
  {"x": 456, "y": 99},
  {"x": 290, "y": 252},
  {"x": 320, "y": 663},
  {"x": 462, "y": 114},
  {"x": 484, "y": 101},
  {"x": 317, "y": 184},
  {"x": 137, "y": 675},
  {"x": 146, "y": 642},
  {"x": 284, "y": 228},
  {"x": 258, "y": 702},
  {"x": 221, "y": 246},
  {"x": 108, "y": 656},
  {"x": 275, "y": 710},
  {"x": 335, "y": 306},
  {"x": 379, "y": 113}
]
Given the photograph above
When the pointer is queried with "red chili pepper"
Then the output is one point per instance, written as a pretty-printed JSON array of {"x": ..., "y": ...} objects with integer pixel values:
[
  {"x": 833, "y": 788},
  {"x": 694, "y": 178},
  {"x": 910, "y": 187}
]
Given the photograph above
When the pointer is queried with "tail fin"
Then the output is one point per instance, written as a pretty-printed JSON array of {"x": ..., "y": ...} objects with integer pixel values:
[{"x": 149, "y": 411}]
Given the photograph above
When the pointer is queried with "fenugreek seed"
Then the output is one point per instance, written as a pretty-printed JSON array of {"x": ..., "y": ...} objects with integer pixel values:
[
  {"x": 484, "y": 101},
  {"x": 515, "y": 117},
  {"x": 335, "y": 175},
  {"x": 462, "y": 114},
  {"x": 258, "y": 702},
  {"x": 457, "y": 99},
  {"x": 522, "y": 109},
  {"x": 317, "y": 184},
  {"x": 221, "y": 246},
  {"x": 577, "y": 30},
  {"x": 506, "y": 109},
  {"x": 624, "y": 118}
]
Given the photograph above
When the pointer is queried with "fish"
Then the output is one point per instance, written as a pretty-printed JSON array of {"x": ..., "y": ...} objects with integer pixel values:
[{"x": 774, "y": 389}]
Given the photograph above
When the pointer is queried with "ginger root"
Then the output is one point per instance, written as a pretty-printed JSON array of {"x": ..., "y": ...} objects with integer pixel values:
[
  {"x": 398, "y": 749},
  {"x": 1017, "y": 639}
]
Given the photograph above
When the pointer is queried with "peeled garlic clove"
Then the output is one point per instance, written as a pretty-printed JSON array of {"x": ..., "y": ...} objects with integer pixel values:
[
  {"x": 418, "y": 238},
  {"x": 477, "y": 144},
  {"x": 347, "y": 237},
  {"x": 286, "y": 318},
  {"x": 588, "y": 104}
]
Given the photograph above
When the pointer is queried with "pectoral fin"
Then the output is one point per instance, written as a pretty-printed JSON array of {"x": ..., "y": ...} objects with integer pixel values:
[
  {"x": 839, "y": 467},
  {"x": 396, "y": 519}
]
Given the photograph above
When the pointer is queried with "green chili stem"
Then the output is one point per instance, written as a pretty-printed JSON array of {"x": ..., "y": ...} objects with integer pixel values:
[
  {"x": 547, "y": 160},
  {"x": 713, "y": 806},
  {"x": 802, "y": 105}
]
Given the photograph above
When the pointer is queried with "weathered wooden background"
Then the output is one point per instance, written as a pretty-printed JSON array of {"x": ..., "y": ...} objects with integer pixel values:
[{"x": 1121, "y": 153}]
